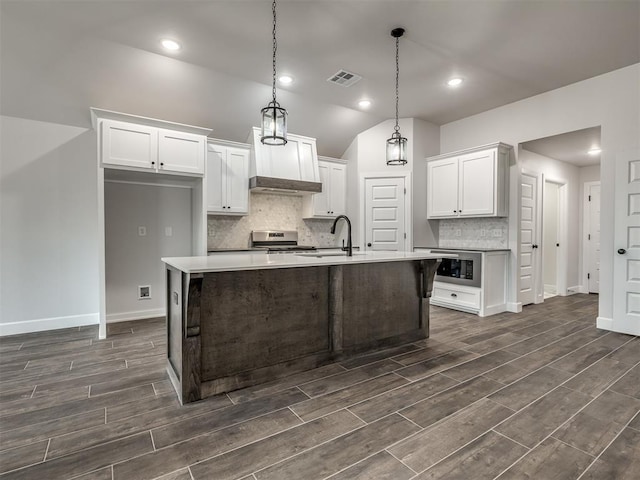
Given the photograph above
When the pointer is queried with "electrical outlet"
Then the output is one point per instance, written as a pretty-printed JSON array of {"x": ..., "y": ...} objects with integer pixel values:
[
  {"x": 497, "y": 232},
  {"x": 168, "y": 231},
  {"x": 142, "y": 231},
  {"x": 458, "y": 232},
  {"x": 144, "y": 292}
]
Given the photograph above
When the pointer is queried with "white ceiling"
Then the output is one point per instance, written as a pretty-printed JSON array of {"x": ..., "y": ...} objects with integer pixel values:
[
  {"x": 570, "y": 147},
  {"x": 60, "y": 57}
]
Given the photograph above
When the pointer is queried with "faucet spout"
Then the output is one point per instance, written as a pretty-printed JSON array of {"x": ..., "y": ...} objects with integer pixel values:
[{"x": 349, "y": 247}]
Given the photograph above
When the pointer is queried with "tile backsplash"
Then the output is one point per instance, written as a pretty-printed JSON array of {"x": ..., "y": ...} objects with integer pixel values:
[
  {"x": 268, "y": 212},
  {"x": 474, "y": 233}
]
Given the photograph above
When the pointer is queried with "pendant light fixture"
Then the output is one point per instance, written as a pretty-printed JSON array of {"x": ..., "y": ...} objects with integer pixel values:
[
  {"x": 274, "y": 117},
  {"x": 397, "y": 144}
]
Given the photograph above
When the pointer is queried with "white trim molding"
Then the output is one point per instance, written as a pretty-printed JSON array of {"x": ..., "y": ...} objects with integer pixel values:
[
  {"x": 137, "y": 315},
  {"x": 604, "y": 323},
  {"x": 514, "y": 307},
  {"x": 43, "y": 324}
]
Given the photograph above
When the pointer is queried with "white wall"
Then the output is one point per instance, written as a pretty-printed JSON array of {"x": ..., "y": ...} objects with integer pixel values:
[
  {"x": 48, "y": 226},
  {"x": 611, "y": 101},
  {"x": 368, "y": 154},
  {"x": 133, "y": 260}
]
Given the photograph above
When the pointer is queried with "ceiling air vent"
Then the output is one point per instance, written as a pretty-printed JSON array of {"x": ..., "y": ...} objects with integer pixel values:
[{"x": 344, "y": 78}]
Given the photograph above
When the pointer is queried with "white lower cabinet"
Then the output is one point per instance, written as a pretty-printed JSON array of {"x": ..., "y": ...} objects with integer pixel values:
[
  {"x": 332, "y": 201},
  {"x": 227, "y": 180},
  {"x": 488, "y": 299}
]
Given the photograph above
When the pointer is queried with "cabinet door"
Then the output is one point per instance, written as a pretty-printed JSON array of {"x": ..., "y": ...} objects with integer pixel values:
[
  {"x": 128, "y": 144},
  {"x": 442, "y": 194},
  {"x": 307, "y": 157},
  {"x": 321, "y": 205},
  {"x": 237, "y": 182},
  {"x": 338, "y": 190},
  {"x": 216, "y": 185},
  {"x": 477, "y": 183},
  {"x": 181, "y": 152}
]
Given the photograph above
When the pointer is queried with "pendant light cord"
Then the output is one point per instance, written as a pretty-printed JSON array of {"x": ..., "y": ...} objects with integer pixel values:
[
  {"x": 275, "y": 47},
  {"x": 397, "y": 127}
]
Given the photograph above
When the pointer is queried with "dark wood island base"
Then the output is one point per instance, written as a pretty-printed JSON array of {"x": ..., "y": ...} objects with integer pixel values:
[{"x": 233, "y": 329}]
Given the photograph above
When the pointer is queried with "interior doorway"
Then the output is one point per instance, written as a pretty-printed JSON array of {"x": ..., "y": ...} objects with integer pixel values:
[{"x": 553, "y": 237}]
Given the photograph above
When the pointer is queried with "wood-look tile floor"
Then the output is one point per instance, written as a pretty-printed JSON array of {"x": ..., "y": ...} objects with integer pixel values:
[{"x": 538, "y": 395}]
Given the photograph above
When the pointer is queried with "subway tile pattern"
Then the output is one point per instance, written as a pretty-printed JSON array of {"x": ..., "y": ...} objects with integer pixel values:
[
  {"x": 268, "y": 212},
  {"x": 541, "y": 394}
]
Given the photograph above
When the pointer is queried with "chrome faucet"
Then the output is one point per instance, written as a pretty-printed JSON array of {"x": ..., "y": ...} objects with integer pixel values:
[{"x": 349, "y": 247}]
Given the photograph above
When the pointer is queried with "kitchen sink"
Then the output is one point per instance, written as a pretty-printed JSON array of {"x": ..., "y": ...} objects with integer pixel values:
[{"x": 328, "y": 254}]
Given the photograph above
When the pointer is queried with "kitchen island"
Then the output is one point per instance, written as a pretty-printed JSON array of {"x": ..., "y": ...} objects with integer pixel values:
[{"x": 242, "y": 319}]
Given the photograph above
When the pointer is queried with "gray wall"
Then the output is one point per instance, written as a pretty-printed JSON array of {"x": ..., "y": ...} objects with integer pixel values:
[
  {"x": 133, "y": 260},
  {"x": 48, "y": 226}
]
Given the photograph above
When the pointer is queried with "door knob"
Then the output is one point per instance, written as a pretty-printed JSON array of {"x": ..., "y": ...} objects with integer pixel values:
[
  {"x": 368, "y": 244},
  {"x": 622, "y": 251}
]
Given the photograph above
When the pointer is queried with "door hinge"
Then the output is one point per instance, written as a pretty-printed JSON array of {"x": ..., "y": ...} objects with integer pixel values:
[
  {"x": 588, "y": 236},
  {"x": 405, "y": 190},
  {"x": 405, "y": 235},
  {"x": 589, "y": 197},
  {"x": 588, "y": 276}
]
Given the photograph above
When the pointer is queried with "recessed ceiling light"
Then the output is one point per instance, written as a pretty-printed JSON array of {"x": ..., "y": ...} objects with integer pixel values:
[
  {"x": 454, "y": 82},
  {"x": 364, "y": 103},
  {"x": 594, "y": 151},
  {"x": 285, "y": 79},
  {"x": 170, "y": 45}
]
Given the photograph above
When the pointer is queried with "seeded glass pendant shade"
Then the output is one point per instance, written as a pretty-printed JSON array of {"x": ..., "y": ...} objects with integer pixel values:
[
  {"x": 274, "y": 117},
  {"x": 397, "y": 144}
]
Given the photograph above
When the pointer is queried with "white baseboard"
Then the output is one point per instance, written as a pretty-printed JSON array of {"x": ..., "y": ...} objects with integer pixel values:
[
  {"x": 604, "y": 323},
  {"x": 550, "y": 289},
  {"x": 576, "y": 289},
  {"x": 137, "y": 315},
  {"x": 44, "y": 324},
  {"x": 514, "y": 307}
]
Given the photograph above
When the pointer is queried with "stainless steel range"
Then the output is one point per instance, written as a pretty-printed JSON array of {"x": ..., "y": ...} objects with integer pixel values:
[{"x": 278, "y": 241}]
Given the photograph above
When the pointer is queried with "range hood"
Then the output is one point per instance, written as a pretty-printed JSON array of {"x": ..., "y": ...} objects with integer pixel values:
[{"x": 290, "y": 169}]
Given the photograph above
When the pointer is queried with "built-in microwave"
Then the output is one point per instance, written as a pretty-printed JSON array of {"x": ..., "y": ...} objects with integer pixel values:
[{"x": 464, "y": 270}]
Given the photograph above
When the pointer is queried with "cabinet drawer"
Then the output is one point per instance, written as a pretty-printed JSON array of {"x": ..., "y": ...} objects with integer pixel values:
[{"x": 466, "y": 299}]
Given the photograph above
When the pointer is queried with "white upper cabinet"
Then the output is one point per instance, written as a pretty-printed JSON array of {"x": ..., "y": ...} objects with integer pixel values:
[
  {"x": 332, "y": 200},
  {"x": 297, "y": 160},
  {"x": 227, "y": 180},
  {"x": 470, "y": 183},
  {"x": 144, "y": 144},
  {"x": 181, "y": 152}
]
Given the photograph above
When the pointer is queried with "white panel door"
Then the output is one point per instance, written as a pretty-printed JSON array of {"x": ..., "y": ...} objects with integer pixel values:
[
  {"x": 593, "y": 239},
  {"x": 216, "y": 187},
  {"x": 530, "y": 279},
  {"x": 477, "y": 191},
  {"x": 442, "y": 194},
  {"x": 626, "y": 261},
  {"x": 384, "y": 214},
  {"x": 237, "y": 184},
  {"x": 181, "y": 152}
]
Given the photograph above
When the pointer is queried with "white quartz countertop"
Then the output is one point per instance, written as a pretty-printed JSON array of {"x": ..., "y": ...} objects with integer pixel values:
[{"x": 247, "y": 261}]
